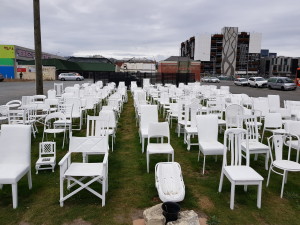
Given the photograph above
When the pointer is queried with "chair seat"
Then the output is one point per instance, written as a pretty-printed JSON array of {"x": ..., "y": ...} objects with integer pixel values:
[
  {"x": 242, "y": 173},
  {"x": 287, "y": 165},
  {"x": 54, "y": 131},
  {"x": 191, "y": 130},
  {"x": 159, "y": 148},
  {"x": 255, "y": 145},
  {"x": 183, "y": 122},
  {"x": 84, "y": 169},
  {"x": 61, "y": 122},
  {"x": 221, "y": 122},
  {"x": 10, "y": 174},
  {"x": 211, "y": 147},
  {"x": 45, "y": 161}
]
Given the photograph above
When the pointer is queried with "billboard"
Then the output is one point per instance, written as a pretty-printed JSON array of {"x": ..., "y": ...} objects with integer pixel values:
[{"x": 7, "y": 51}]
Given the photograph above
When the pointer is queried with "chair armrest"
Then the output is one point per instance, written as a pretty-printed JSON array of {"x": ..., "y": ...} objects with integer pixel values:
[{"x": 64, "y": 163}]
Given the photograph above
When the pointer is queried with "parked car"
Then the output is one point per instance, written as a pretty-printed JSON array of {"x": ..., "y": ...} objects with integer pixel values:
[
  {"x": 223, "y": 77},
  {"x": 241, "y": 81},
  {"x": 257, "y": 82},
  {"x": 282, "y": 83},
  {"x": 205, "y": 79},
  {"x": 214, "y": 80},
  {"x": 1, "y": 77},
  {"x": 70, "y": 76}
]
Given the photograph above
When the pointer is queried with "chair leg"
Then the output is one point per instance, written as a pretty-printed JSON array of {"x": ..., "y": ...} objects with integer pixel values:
[
  {"x": 143, "y": 144},
  {"x": 221, "y": 181},
  {"x": 29, "y": 179},
  {"x": 147, "y": 162},
  {"x": 103, "y": 192},
  {"x": 203, "y": 165},
  {"x": 282, "y": 185},
  {"x": 14, "y": 188},
  {"x": 269, "y": 175},
  {"x": 61, "y": 187},
  {"x": 262, "y": 136},
  {"x": 232, "y": 195},
  {"x": 259, "y": 189},
  {"x": 267, "y": 160}
]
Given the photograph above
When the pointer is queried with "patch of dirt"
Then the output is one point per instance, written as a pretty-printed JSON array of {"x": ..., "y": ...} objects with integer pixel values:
[
  {"x": 78, "y": 222},
  {"x": 206, "y": 203},
  {"x": 24, "y": 223},
  {"x": 137, "y": 214}
]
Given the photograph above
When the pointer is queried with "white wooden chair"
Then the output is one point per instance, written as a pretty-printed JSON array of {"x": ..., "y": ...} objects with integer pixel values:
[
  {"x": 15, "y": 160},
  {"x": 76, "y": 172},
  {"x": 47, "y": 156},
  {"x": 159, "y": 130},
  {"x": 234, "y": 170},
  {"x": 278, "y": 163}
]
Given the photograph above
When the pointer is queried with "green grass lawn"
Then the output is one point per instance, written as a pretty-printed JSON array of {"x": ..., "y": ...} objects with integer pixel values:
[{"x": 132, "y": 189}]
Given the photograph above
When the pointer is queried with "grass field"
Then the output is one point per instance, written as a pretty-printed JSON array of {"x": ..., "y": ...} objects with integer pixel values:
[{"x": 132, "y": 189}]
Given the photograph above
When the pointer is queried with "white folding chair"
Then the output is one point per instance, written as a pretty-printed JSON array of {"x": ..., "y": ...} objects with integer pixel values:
[{"x": 77, "y": 172}]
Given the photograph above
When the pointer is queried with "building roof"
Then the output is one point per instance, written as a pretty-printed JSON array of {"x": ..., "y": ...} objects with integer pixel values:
[
  {"x": 73, "y": 66},
  {"x": 178, "y": 58}
]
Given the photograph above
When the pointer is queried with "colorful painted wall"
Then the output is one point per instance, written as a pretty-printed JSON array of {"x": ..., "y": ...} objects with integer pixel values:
[{"x": 7, "y": 61}]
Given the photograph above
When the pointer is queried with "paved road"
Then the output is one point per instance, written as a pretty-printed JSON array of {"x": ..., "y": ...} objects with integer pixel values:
[{"x": 14, "y": 90}]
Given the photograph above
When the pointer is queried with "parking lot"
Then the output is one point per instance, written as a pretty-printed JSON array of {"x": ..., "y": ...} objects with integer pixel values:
[{"x": 14, "y": 90}]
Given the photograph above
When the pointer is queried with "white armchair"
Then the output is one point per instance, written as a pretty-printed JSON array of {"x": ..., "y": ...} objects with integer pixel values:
[{"x": 15, "y": 157}]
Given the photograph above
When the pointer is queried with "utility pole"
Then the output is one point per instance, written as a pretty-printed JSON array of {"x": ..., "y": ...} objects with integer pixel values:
[{"x": 38, "y": 47}]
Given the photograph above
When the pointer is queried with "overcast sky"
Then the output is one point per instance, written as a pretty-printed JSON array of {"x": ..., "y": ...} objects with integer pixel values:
[{"x": 142, "y": 28}]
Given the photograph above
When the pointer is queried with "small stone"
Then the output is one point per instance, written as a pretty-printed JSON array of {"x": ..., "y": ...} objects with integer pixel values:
[
  {"x": 188, "y": 217},
  {"x": 154, "y": 215}
]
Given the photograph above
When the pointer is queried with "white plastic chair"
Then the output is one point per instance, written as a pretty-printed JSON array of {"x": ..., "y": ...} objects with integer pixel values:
[
  {"x": 234, "y": 116},
  {"x": 51, "y": 128},
  {"x": 159, "y": 130},
  {"x": 293, "y": 133},
  {"x": 14, "y": 104},
  {"x": 47, "y": 156},
  {"x": 273, "y": 123},
  {"x": 234, "y": 170},
  {"x": 15, "y": 160},
  {"x": 77, "y": 172},
  {"x": 169, "y": 182},
  {"x": 278, "y": 163},
  {"x": 149, "y": 114},
  {"x": 207, "y": 127}
]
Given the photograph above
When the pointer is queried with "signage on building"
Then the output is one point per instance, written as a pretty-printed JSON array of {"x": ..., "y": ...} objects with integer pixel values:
[
  {"x": 23, "y": 53},
  {"x": 7, "y": 51}
]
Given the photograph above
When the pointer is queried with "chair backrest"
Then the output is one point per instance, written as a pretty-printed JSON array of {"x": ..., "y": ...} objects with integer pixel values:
[
  {"x": 292, "y": 127},
  {"x": 89, "y": 144},
  {"x": 27, "y": 100},
  {"x": 233, "y": 137},
  {"x": 234, "y": 116},
  {"x": 275, "y": 143},
  {"x": 51, "y": 94},
  {"x": 59, "y": 88},
  {"x": 96, "y": 126},
  {"x": 207, "y": 126},
  {"x": 4, "y": 110},
  {"x": 14, "y": 104},
  {"x": 251, "y": 127},
  {"x": 274, "y": 103},
  {"x": 261, "y": 106},
  {"x": 55, "y": 116},
  {"x": 110, "y": 116},
  {"x": 273, "y": 120},
  {"x": 15, "y": 144},
  {"x": 47, "y": 149},
  {"x": 159, "y": 129},
  {"x": 16, "y": 116},
  {"x": 66, "y": 109},
  {"x": 149, "y": 114}
]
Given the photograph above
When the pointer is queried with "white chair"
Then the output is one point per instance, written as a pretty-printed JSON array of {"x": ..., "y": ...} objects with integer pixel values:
[
  {"x": 16, "y": 116},
  {"x": 235, "y": 171},
  {"x": 207, "y": 127},
  {"x": 109, "y": 115},
  {"x": 254, "y": 146},
  {"x": 273, "y": 123},
  {"x": 159, "y": 130},
  {"x": 169, "y": 182},
  {"x": 274, "y": 107},
  {"x": 47, "y": 156},
  {"x": 96, "y": 126},
  {"x": 293, "y": 133},
  {"x": 51, "y": 128},
  {"x": 14, "y": 104},
  {"x": 278, "y": 163},
  {"x": 76, "y": 172},
  {"x": 15, "y": 160},
  {"x": 149, "y": 114},
  {"x": 234, "y": 116},
  {"x": 59, "y": 88}
]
